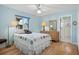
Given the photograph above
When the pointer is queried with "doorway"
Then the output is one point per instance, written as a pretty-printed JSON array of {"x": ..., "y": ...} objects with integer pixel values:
[{"x": 66, "y": 29}]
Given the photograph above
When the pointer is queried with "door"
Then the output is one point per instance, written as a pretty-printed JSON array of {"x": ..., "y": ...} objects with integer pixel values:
[{"x": 66, "y": 29}]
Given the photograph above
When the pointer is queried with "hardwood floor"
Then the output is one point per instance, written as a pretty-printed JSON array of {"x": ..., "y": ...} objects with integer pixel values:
[
  {"x": 60, "y": 48},
  {"x": 10, "y": 51}
]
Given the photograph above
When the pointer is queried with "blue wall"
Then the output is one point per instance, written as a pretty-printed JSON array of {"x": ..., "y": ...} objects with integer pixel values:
[
  {"x": 35, "y": 24},
  {"x": 8, "y": 14},
  {"x": 57, "y": 16}
]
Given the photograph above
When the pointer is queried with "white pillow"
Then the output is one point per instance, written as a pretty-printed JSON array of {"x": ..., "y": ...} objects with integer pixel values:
[{"x": 20, "y": 31}]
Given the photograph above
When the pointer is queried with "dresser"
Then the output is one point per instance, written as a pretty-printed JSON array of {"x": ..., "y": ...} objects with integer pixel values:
[{"x": 54, "y": 35}]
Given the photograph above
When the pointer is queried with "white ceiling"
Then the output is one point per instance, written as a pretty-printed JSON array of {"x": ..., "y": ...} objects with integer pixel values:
[{"x": 47, "y": 9}]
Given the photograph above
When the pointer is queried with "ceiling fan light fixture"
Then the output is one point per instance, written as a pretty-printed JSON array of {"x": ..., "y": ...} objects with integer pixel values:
[{"x": 39, "y": 11}]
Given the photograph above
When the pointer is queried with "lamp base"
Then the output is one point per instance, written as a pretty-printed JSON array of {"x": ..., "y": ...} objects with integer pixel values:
[{"x": 43, "y": 28}]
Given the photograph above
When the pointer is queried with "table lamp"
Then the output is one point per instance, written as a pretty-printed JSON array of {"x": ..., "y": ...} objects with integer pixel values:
[
  {"x": 14, "y": 23},
  {"x": 43, "y": 25}
]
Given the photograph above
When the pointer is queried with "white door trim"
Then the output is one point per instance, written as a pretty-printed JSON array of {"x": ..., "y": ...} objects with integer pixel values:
[
  {"x": 78, "y": 30},
  {"x": 71, "y": 26}
]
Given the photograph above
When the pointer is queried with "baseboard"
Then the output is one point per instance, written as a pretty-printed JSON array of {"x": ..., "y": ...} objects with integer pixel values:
[
  {"x": 70, "y": 42},
  {"x": 74, "y": 43}
]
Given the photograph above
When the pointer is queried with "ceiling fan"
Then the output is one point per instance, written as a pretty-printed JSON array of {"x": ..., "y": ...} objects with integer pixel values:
[{"x": 38, "y": 9}]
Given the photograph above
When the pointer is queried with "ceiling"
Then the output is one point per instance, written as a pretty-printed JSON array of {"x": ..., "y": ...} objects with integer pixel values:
[{"x": 46, "y": 9}]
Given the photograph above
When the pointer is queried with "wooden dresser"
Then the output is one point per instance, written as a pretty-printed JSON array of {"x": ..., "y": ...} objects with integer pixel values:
[{"x": 54, "y": 35}]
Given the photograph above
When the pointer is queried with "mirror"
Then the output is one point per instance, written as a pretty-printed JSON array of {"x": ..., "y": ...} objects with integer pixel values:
[
  {"x": 52, "y": 25},
  {"x": 23, "y": 22}
]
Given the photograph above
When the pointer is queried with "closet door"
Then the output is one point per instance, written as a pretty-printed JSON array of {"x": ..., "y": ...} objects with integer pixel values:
[{"x": 66, "y": 29}]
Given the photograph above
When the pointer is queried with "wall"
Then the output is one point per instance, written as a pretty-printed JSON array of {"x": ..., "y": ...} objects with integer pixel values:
[
  {"x": 35, "y": 25},
  {"x": 57, "y": 17},
  {"x": 8, "y": 14},
  {"x": 78, "y": 28}
]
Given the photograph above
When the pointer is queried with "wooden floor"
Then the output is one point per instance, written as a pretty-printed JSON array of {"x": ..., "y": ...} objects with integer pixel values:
[
  {"x": 10, "y": 51},
  {"x": 60, "y": 48}
]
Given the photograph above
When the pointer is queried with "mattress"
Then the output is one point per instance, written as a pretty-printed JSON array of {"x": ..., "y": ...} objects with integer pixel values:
[{"x": 33, "y": 43}]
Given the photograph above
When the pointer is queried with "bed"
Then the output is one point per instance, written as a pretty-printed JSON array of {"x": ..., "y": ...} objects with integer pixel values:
[{"x": 33, "y": 43}]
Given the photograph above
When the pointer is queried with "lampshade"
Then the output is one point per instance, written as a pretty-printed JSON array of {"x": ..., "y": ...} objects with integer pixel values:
[
  {"x": 14, "y": 23},
  {"x": 43, "y": 23}
]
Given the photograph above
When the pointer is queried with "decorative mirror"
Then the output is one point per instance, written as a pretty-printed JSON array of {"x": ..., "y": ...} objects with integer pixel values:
[
  {"x": 23, "y": 22},
  {"x": 52, "y": 25}
]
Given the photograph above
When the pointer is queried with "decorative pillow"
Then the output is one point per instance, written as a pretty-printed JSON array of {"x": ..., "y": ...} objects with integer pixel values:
[{"x": 27, "y": 32}]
